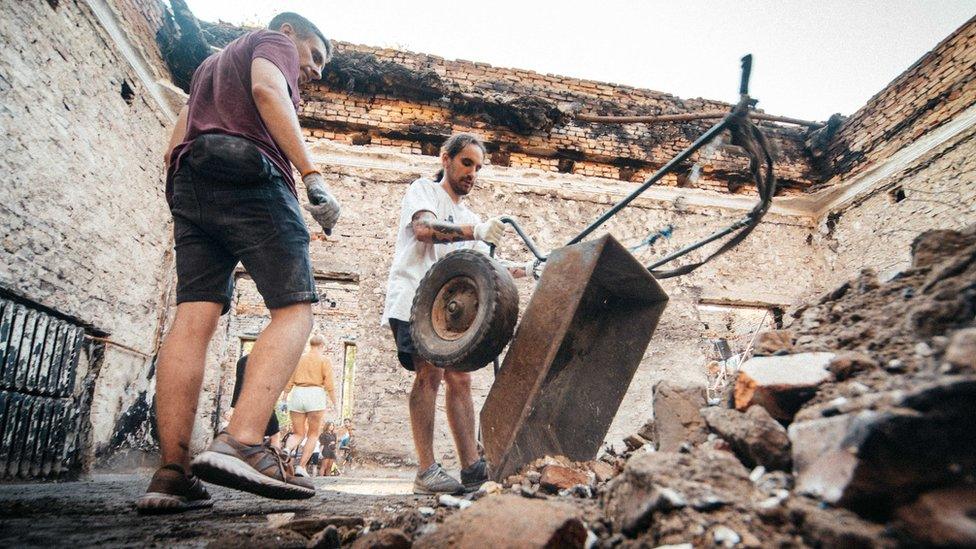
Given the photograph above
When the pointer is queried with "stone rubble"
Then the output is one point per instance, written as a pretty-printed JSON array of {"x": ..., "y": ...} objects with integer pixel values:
[{"x": 833, "y": 441}]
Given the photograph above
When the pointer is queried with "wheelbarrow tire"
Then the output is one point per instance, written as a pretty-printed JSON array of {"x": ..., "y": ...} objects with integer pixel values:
[{"x": 464, "y": 312}]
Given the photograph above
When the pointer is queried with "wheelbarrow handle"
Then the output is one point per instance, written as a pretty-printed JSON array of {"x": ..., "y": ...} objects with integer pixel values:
[
  {"x": 525, "y": 238},
  {"x": 746, "y": 72}
]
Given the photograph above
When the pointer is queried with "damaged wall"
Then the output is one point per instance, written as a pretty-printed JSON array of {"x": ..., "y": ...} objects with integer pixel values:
[
  {"x": 907, "y": 164},
  {"x": 105, "y": 258},
  {"x": 85, "y": 228}
]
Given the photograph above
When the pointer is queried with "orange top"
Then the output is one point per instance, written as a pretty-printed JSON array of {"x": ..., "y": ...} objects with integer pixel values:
[{"x": 314, "y": 370}]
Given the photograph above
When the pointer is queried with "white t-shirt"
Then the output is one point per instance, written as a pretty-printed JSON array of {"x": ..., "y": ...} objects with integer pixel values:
[{"x": 413, "y": 258}]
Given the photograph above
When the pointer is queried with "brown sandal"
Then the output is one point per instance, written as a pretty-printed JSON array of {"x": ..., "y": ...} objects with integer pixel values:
[{"x": 171, "y": 490}]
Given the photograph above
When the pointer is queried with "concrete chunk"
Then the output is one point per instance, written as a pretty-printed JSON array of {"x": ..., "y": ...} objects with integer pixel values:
[
  {"x": 755, "y": 437},
  {"x": 677, "y": 418},
  {"x": 509, "y": 521},
  {"x": 781, "y": 384}
]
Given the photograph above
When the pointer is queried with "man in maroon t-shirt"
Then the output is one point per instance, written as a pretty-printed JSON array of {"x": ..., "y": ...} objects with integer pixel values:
[{"x": 230, "y": 189}]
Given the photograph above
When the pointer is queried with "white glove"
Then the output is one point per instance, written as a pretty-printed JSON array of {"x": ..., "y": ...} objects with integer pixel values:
[
  {"x": 490, "y": 231},
  {"x": 321, "y": 204}
]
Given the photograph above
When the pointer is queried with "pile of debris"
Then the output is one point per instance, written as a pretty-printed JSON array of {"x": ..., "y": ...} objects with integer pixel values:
[{"x": 850, "y": 428}]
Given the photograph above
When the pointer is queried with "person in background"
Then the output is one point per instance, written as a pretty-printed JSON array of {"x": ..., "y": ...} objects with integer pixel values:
[
  {"x": 306, "y": 391},
  {"x": 271, "y": 431},
  {"x": 328, "y": 443}
]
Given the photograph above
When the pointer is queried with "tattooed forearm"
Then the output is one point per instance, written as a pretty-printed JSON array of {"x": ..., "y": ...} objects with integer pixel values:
[
  {"x": 428, "y": 228},
  {"x": 446, "y": 232}
]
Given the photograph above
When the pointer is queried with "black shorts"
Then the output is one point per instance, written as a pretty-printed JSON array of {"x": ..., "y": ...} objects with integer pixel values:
[
  {"x": 216, "y": 225},
  {"x": 404, "y": 343},
  {"x": 272, "y": 428}
]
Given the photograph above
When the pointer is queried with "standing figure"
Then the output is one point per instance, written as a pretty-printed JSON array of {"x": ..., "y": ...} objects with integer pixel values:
[
  {"x": 327, "y": 441},
  {"x": 434, "y": 221},
  {"x": 306, "y": 390},
  {"x": 233, "y": 199}
]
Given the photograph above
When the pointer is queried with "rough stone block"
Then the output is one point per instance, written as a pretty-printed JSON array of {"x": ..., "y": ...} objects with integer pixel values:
[
  {"x": 509, "y": 521},
  {"x": 677, "y": 418},
  {"x": 653, "y": 484},
  {"x": 755, "y": 437},
  {"x": 781, "y": 384},
  {"x": 387, "y": 538},
  {"x": 887, "y": 457},
  {"x": 557, "y": 477},
  {"x": 813, "y": 438}
]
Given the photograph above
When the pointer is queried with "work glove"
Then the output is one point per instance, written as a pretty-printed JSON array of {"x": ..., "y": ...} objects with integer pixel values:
[
  {"x": 321, "y": 204},
  {"x": 490, "y": 231}
]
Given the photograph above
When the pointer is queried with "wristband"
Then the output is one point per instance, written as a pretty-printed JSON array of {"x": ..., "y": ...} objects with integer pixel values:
[{"x": 310, "y": 172}]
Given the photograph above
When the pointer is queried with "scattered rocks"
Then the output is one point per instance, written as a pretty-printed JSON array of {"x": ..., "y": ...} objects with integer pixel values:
[
  {"x": 676, "y": 417},
  {"x": 447, "y": 500},
  {"x": 509, "y": 521},
  {"x": 653, "y": 483},
  {"x": 781, "y": 384},
  {"x": 755, "y": 437}
]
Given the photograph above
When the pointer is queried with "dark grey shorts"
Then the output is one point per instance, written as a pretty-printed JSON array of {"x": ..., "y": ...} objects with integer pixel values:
[
  {"x": 217, "y": 225},
  {"x": 404, "y": 343}
]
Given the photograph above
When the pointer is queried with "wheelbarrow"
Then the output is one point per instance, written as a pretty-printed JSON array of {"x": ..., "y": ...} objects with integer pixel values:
[{"x": 585, "y": 329}]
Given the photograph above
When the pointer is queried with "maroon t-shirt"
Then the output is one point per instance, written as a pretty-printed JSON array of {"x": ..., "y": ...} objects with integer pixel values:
[{"x": 221, "y": 102}]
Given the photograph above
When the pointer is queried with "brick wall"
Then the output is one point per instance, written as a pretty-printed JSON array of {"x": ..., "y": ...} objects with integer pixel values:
[
  {"x": 630, "y": 152},
  {"x": 86, "y": 231},
  {"x": 934, "y": 90}
]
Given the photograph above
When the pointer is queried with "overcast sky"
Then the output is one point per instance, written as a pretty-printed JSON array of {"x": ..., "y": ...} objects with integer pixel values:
[{"x": 812, "y": 59}]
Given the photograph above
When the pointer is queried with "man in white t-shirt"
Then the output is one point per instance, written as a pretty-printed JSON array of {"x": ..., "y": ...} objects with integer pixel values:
[{"x": 434, "y": 222}]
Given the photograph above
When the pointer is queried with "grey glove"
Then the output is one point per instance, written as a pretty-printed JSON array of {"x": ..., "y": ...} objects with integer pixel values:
[{"x": 321, "y": 204}]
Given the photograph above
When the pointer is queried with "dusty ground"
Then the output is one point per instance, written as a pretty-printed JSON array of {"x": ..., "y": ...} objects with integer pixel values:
[{"x": 98, "y": 511}]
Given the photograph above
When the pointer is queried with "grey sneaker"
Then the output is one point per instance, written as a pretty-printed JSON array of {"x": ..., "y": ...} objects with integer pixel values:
[
  {"x": 474, "y": 475},
  {"x": 260, "y": 469},
  {"x": 435, "y": 480}
]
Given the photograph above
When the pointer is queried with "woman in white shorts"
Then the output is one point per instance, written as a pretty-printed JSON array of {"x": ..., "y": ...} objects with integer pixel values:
[{"x": 307, "y": 390}]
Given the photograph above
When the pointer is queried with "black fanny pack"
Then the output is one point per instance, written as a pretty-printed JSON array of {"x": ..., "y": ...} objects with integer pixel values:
[{"x": 228, "y": 159}]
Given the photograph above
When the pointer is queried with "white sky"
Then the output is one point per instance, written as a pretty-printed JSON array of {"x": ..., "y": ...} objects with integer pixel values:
[{"x": 811, "y": 58}]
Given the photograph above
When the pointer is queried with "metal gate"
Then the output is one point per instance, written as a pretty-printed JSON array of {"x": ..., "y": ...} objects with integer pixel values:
[{"x": 39, "y": 418}]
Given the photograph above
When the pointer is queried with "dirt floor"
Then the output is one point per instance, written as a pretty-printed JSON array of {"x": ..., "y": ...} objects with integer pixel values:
[{"x": 99, "y": 511}]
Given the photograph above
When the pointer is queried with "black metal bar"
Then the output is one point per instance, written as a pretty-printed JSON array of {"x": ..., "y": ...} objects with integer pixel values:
[
  {"x": 692, "y": 247},
  {"x": 712, "y": 133},
  {"x": 746, "y": 72},
  {"x": 525, "y": 237}
]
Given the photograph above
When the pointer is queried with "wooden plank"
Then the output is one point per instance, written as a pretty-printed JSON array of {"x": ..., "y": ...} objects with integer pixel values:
[
  {"x": 50, "y": 349},
  {"x": 32, "y": 428},
  {"x": 19, "y": 431}
]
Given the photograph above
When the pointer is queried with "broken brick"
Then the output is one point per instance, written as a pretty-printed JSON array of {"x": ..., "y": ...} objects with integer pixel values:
[
  {"x": 557, "y": 477},
  {"x": 781, "y": 384}
]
